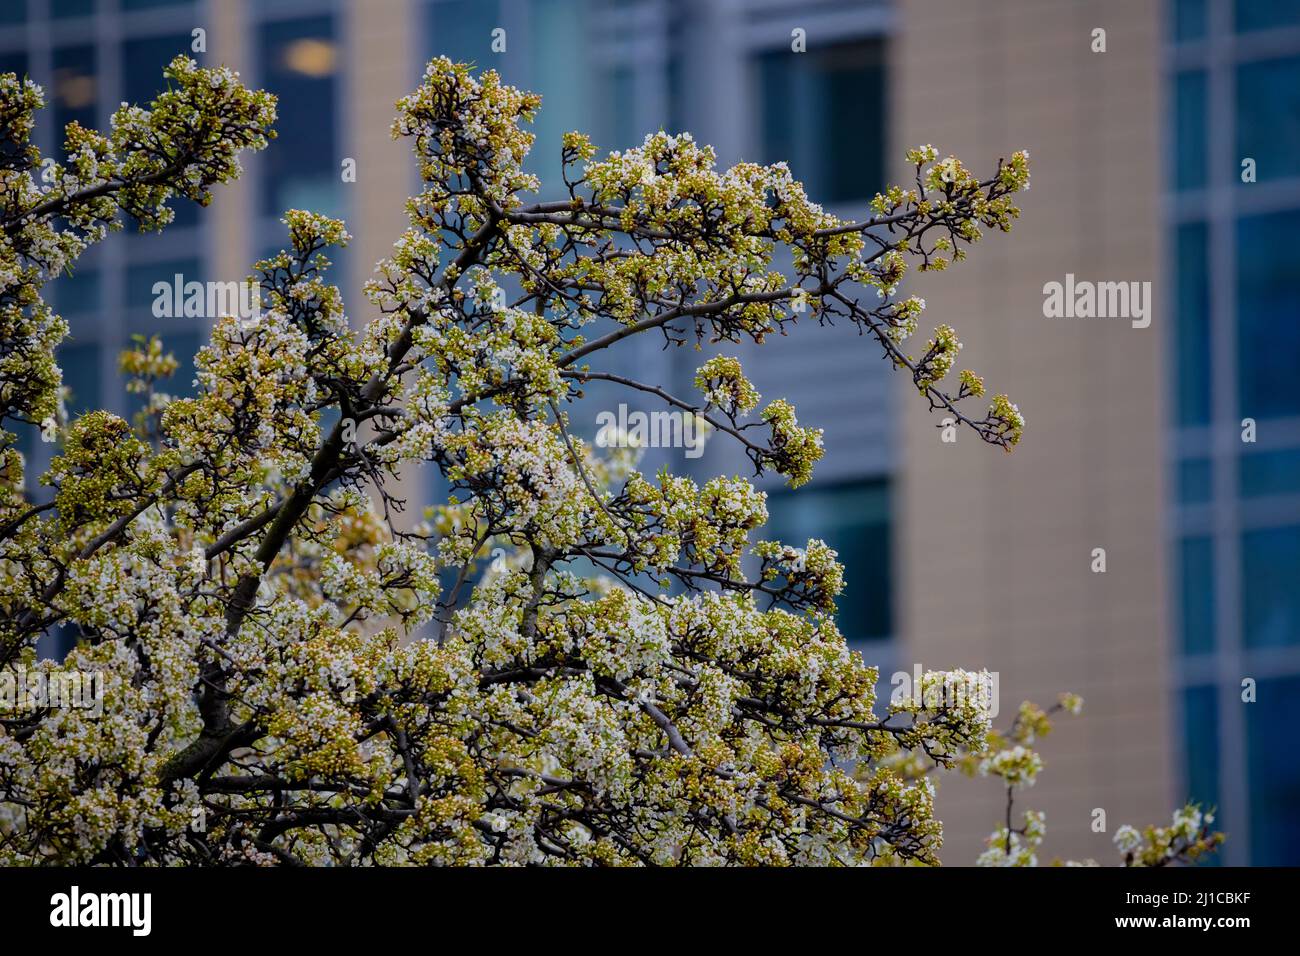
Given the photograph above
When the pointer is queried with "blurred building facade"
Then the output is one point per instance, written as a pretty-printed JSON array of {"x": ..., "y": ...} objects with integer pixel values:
[{"x": 957, "y": 555}]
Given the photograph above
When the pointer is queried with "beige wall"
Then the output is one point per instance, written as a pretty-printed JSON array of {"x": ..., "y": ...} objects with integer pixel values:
[
  {"x": 994, "y": 549},
  {"x": 380, "y": 69},
  {"x": 379, "y": 43},
  {"x": 232, "y": 249}
]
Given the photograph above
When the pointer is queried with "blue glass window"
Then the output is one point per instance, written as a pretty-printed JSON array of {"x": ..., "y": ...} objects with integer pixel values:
[
  {"x": 183, "y": 344},
  {"x": 300, "y": 65},
  {"x": 143, "y": 61},
  {"x": 1268, "y": 316},
  {"x": 1201, "y": 746},
  {"x": 1268, "y": 116},
  {"x": 1188, "y": 19},
  {"x": 149, "y": 4},
  {"x": 1192, "y": 325},
  {"x": 855, "y": 521},
  {"x": 462, "y": 31},
  {"x": 75, "y": 294},
  {"x": 1266, "y": 14},
  {"x": 80, "y": 364},
  {"x": 562, "y": 81},
  {"x": 1195, "y": 481},
  {"x": 27, "y": 442},
  {"x": 1270, "y": 473},
  {"x": 1190, "y": 106},
  {"x": 59, "y": 9},
  {"x": 57, "y": 642},
  {"x": 140, "y": 280},
  {"x": 75, "y": 88},
  {"x": 1274, "y": 773},
  {"x": 15, "y": 62},
  {"x": 1270, "y": 568},
  {"x": 823, "y": 112},
  {"x": 620, "y": 120},
  {"x": 1196, "y": 567},
  {"x": 13, "y": 11}
]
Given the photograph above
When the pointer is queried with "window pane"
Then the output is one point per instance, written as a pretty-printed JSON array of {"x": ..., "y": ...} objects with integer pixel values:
[
  {"x": 1270, "y": 473},
  {"x": 462, "y": 30},
  {"x": 562, "y": 81},
  {"x": 1196, "y": 567},
  {"x": 149, "y": 4},
  {"x": 57, "y": 642},
  {"x": 140, "y": 294},
  {"x": 178, "y": 332},
  {"x": 1263, "y": 14},
  {"x": 1189, "y": 19},
  {"x": 677, "y": 92},
  {"x": 1190, "y": 106},
  {"x": 300, "y": 65},
  {"x": 75, "y": 294},
  {"x": 143, "y": 61},
  {"x": 1270, "y": 565},
  {"x": 1195, "y": 481},
  {"x": 71, "y": 8},
  {"x": 1268, "y": 316},
  {"x": 620, "y": 120},
  {"x": 1201, "y": 747},
  {"x": 1192, "y": 325},
  {"x": 80, "y": 364},
  {"x": 1274, "y": 773},
  {"x": 75, "y": 88},
  {"x": 183, "y": 344},
  {"x": 27, "y": 442},
  {"x": 854, "y": 520},
  {"x": 142, "y": 65},
  {"x": 823, "y": 112},
  {"x": 1268, "y": 116},
  {"x": 13, "y": 11},
  {"x": 15, "y": 63}
]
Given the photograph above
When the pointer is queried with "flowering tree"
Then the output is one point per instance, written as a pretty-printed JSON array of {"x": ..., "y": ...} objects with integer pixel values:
[{"x": 635, "y": 677}]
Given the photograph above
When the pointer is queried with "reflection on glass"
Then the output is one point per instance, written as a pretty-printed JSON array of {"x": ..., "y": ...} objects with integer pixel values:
[{"x": 300, "y": 61}]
